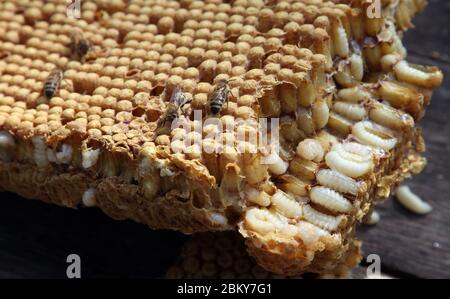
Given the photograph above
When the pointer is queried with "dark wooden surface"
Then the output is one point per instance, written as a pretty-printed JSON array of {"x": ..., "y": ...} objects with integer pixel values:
[
  {"x": 411, "y": 245},
  {"x": 36, "y": 238}
]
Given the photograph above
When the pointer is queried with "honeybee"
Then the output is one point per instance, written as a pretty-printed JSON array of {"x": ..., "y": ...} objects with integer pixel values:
[
  {"x": 79, "y": 46},
  {"x": 52, "y": 82},
  {"x": 219, "y": 96},
  {"x": 177, "y": 100}
]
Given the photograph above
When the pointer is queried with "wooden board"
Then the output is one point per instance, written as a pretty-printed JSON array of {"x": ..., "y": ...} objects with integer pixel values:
[
  {"x": 408, "y": 244},
  {"x": 36, "y": 238}
]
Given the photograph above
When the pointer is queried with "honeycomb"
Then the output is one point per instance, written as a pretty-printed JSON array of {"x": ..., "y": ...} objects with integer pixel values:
[{"x": 335, "y": 80}]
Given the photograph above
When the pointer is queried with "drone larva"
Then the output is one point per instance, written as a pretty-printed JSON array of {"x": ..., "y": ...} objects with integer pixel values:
[
  {"x": 309, "y": 233},
  {"x": 65, "y": 155},
  {"x": 353, "y": 94},
  {"x": 338, "y": 181},
  {"x": 357, "y": 67},
  {"x": 350, "y": 164},
  {"x": 330, "y": 199},
  {"x": 350, "y": 110},
  {"x": 411, "y": 201},
  {"x": 320, "y": 113},
  {"x": 258, "y": 197},
  {"x": 407, "y": 73},
  {"x": 286, "y": 205},
  {"x": 261, "y": 221},
  {"x": 328, "y": 222},
  {"x": 389, "y": 117},
  {"x": 51, "y": 84},
  {"x": 89, "y": 157},
  {"x": 310, "y": 149},
  {"x": 375, "y": 135},
  {"x": 40, "y": 151},
  {"x": 340, "y": 40},
  {"x": 88, "y": 198},
  {"x": 276, "y": 165}
]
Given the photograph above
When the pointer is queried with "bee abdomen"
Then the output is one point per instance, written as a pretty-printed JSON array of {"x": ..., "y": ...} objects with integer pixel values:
[
  {"x": 215, "y": 108},
  {"x": 50, "y": 89}
]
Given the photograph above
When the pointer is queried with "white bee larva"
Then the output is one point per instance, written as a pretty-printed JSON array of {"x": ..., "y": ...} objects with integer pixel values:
[
  {"x": 309, "y": 233},
  {"x": 310, "y": 149},
  {"x": 258, "y": 197},
  {"x": 286, "y": 205},
  {"x": 320, "y": 113},
  {"x": 330, "y": 199},
  {"x": 349, "y": 164},
  {"x": 350, "y": 110},
  {"x": 339, "y": 182},
  {"x": 276, "y": 165},
  {"x": 88, "y": 199},
  {"x": 411, "y": 201},
  {"x": 341, "y": 41},
  {"x": 40, "y": 151},
  {"x": 353, "y": 94},
  {"x": 65, "y": 155},
  {"x": 261, "y": 221},
  {"x": 357, "y": 67},
  {"x": 89, "y": 157},
  {"x": 406, "y": 73},
  {"x": 371, "y": 134},
  {"x": 390, "y": 117},
  {"x": 330, "y": 223},
  {"x": 373, "y": 218}
]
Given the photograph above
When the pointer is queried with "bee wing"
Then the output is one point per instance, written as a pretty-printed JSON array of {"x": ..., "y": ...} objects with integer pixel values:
[{"x": 179, "y": 98}]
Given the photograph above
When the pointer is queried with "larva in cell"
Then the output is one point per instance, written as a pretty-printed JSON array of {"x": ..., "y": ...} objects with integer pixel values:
[
  {"x": 342, "y": 162},
  {"x": 411, "y": 201},
  {"x": 305, "y": 121},
  {"x": 310, "y": 149},
  {"x": 320, "y": 113},
  {"x": 339, "y": 182},
  {"x": 343, "y": 74},
  {"x": 89, "y": 157},
  {"x": 425, "y": 77},
  {"x": 350, "y": 110},
  {"x": 339, "y": 123},
  {"x": 88, "y": 198},
  {"x": 340, "y": 40},
  {"x": 276, "y": 165},
  {"x": 353, "y": 94},
  {"x": 309, "y": 233},
  {"x": 357, "y": 67},
  {"x": 330, "y": 199},
  {"x": 40, "y": 151},
  {"x": 389, "y": 117},
  {"x": 328, "y": 222},
  {"x": 286, "y": 205},
  {"x": 293, "y": 186},
  {"x": 258, "y": 197},
  {"x": 375, "y": 135},
  {"x": 261, "y": 221},
  {"x": 353, "y": 151},
  {"x": 65, "y": 155}
]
